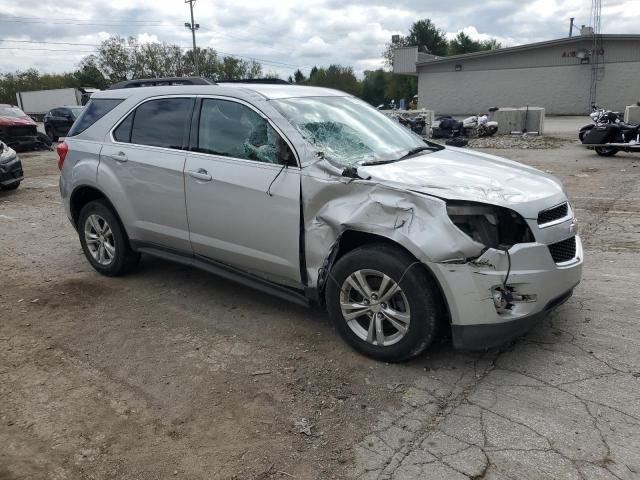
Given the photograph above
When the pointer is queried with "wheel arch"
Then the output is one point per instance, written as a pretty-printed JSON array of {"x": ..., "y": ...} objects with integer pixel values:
[
  {"x": 84, "y": 194},
  {"x": 351, "y": 239}
]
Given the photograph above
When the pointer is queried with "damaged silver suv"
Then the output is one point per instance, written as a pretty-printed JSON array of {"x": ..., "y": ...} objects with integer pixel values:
[{"x": 312, "y": 195}]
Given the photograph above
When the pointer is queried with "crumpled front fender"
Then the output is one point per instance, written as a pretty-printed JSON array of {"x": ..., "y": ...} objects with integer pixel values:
[{"x": 333, "y": 204}]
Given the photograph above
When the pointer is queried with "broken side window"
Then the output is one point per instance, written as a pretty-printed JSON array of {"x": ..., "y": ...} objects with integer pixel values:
[{"x": 231, "y": 129}]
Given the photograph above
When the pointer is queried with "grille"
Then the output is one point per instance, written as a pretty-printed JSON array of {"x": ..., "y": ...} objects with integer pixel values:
[
  {"x": 563, "y": 251},
  {"x": 22, "y": 131},
  {"x": 551, "y": 214}
]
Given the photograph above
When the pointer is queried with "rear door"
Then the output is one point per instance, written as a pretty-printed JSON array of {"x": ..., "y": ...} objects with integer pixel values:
[
  {"x": 143, "y": 168},
  {"x": 242, "y": 185}
]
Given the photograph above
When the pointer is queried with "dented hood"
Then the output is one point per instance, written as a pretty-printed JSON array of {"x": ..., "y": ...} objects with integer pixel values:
[{"x": 459, "y": 174}]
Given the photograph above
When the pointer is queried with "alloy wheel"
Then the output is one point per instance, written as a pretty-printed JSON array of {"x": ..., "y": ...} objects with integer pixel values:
[
  {"x": 99, "y": 239},
  {"x": 375, "y": 307}
]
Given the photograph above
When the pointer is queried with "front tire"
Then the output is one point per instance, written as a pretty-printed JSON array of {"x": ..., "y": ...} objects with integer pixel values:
[
  {"x": 104, "y": 241},
  {"x": 606, "y": 151},
  {"x": 383, "y": 303}
]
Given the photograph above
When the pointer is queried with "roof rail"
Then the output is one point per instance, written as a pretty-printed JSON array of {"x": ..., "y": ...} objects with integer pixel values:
[
  {"x": 155, "y": 82},
  {"x": 277, "y": 81}
]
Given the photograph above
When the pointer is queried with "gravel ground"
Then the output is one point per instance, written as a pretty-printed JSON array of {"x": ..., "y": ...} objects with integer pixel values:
[{"x": 173, "y": 373}]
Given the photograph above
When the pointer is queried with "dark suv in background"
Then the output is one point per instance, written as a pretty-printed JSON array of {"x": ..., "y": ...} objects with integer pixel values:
[{"x": 58, "y": 121}]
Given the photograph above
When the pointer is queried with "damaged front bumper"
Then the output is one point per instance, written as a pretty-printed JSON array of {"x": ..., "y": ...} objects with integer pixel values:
[
  {"x": 535, "y": 286},
  {"x": 11, "y": 172}
]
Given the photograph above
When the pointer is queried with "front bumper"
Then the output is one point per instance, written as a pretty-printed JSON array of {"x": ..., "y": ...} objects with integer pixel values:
[
  {"x": 480, "y": 337},
  {"x": 11, "y": 172},
  {"x": 539, "y": 285}
]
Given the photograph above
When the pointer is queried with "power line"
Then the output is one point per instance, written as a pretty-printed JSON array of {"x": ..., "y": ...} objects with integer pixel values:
[
  {"x": 261, "y": 61},
  {"x": 255, "y": 59},
  {"x": 80, "y": 19},
  {"x": 45, "y": 50},
  {"x": 91, "y": 24}
]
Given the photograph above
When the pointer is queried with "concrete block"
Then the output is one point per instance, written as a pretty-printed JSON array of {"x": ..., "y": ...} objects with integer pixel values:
[
  {"x": 632, "y": 114},
  {"x": 513, "y": 119}
]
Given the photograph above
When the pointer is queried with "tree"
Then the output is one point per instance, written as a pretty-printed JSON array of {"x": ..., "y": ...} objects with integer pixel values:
[
  {"x": 114, "y": 59},
  {"x": 335, "y": 76},
  {"x": 425, "y": 35},
  {"x": 463, "y": 43},
  {"x": 374, "y": 86},
  {"x": 88, "y": 73},
  {"x": 298, "y": 76}
]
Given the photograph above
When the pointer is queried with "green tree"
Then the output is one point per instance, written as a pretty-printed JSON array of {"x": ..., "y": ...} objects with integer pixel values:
[
  {"x": 425, "y": 35},
  {"x": 428, "y": 37},
  {"x": 335, "y": 76},
  {"x": 374, "y": 86},
  {"x": 88, "y": 73},
  {"x": 463, "y": 43},
  {"x": 298, "y": 76}
]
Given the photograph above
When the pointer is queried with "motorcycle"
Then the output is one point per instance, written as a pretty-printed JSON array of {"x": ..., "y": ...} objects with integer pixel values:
[
  {"x": 479, "y": 126},
  {"x": 600, "y": 116},
  {"x": 416, "y": 124},
  {"x": 475, "y": 126},
  {"x": 609, "y": 139}
]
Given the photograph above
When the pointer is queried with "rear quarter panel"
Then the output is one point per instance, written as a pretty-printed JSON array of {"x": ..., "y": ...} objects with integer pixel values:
[{"x": 80, "y": 168}]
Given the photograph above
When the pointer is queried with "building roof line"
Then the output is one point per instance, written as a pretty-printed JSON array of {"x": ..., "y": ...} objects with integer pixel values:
[{"x": 528, "y": 46}]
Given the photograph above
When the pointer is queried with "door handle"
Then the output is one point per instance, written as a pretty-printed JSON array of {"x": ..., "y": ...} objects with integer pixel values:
[
  {"x": 200, "y": 174},
  {"x": 119, "y": 157}
]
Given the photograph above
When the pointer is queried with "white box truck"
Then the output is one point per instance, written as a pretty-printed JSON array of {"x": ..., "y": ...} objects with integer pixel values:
[{"x": 38, "y": 102}]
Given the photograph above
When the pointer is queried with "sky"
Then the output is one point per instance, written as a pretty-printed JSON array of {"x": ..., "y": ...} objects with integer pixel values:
[{"x": 283, "y": 35}]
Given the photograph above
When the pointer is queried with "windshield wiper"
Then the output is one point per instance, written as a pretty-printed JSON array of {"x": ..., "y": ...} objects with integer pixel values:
[
  {"x": 415, "y": 151},
  {"x": 410, "y": 153}
]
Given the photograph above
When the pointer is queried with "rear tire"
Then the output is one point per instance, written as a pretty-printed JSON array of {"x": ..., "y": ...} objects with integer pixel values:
[
  {"x": 606, "y": 151},
  {"x": 388, "y": 325},
  {"x": 104, "y": 240}
]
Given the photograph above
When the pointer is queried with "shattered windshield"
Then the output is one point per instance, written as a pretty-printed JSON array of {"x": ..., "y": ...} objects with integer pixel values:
[{"x": 349, "y": 131}]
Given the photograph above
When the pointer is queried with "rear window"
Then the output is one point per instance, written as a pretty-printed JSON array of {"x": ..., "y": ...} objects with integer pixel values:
[{"x": 93, "y": 111}]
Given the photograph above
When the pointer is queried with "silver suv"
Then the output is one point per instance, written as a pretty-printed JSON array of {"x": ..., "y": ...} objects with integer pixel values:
[{"x": 312, "y": 195}]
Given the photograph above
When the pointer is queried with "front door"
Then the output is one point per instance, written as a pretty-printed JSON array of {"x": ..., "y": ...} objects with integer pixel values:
[{"x": 242, "y": 186}]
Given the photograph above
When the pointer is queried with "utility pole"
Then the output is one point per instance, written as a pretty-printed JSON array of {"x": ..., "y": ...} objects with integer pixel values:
[
  {"x": 571, "y": 27},
  {"x": 193, "y": 27}
]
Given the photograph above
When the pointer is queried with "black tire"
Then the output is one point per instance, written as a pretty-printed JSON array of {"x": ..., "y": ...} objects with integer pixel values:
[
  {"x": 418, "y": 288},
  {"x": 606, "y": 151},
  {"x": 51, "y": 135},
  {"x": 124, "y": 259},
  {"x": 45, "y": 140},
  {"x": 11, "y": 186}
]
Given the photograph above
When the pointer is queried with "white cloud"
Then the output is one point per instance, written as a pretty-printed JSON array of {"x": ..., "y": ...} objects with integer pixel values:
[{"x": 298, "y": 34}]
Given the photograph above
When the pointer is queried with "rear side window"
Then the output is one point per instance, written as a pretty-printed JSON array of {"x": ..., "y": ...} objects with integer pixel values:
[
  {"x": 161, "y": 123},
  {"x": 93, "y": 111},
  {"x": 123, "y": 132}
]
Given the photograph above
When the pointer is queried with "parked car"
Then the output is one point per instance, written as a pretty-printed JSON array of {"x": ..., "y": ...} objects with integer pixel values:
[
  {"x": 58, "y": 121},
  {"x": 17, "y": 129},
  {"x": 11, "y": 173},
  {"x": 314, "y": 196}
]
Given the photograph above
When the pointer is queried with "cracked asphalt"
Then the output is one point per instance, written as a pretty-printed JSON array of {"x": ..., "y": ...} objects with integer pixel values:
[{"x": 173, "y": 373}]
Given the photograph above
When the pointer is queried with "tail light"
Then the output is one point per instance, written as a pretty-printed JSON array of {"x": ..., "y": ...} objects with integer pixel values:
[{"x": 62, "y": 150}]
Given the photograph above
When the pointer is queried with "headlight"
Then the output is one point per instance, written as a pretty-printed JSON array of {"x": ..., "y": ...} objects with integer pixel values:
[
  {"x": 7, "y": 154},
  {"x": 490, "y": 225}
]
